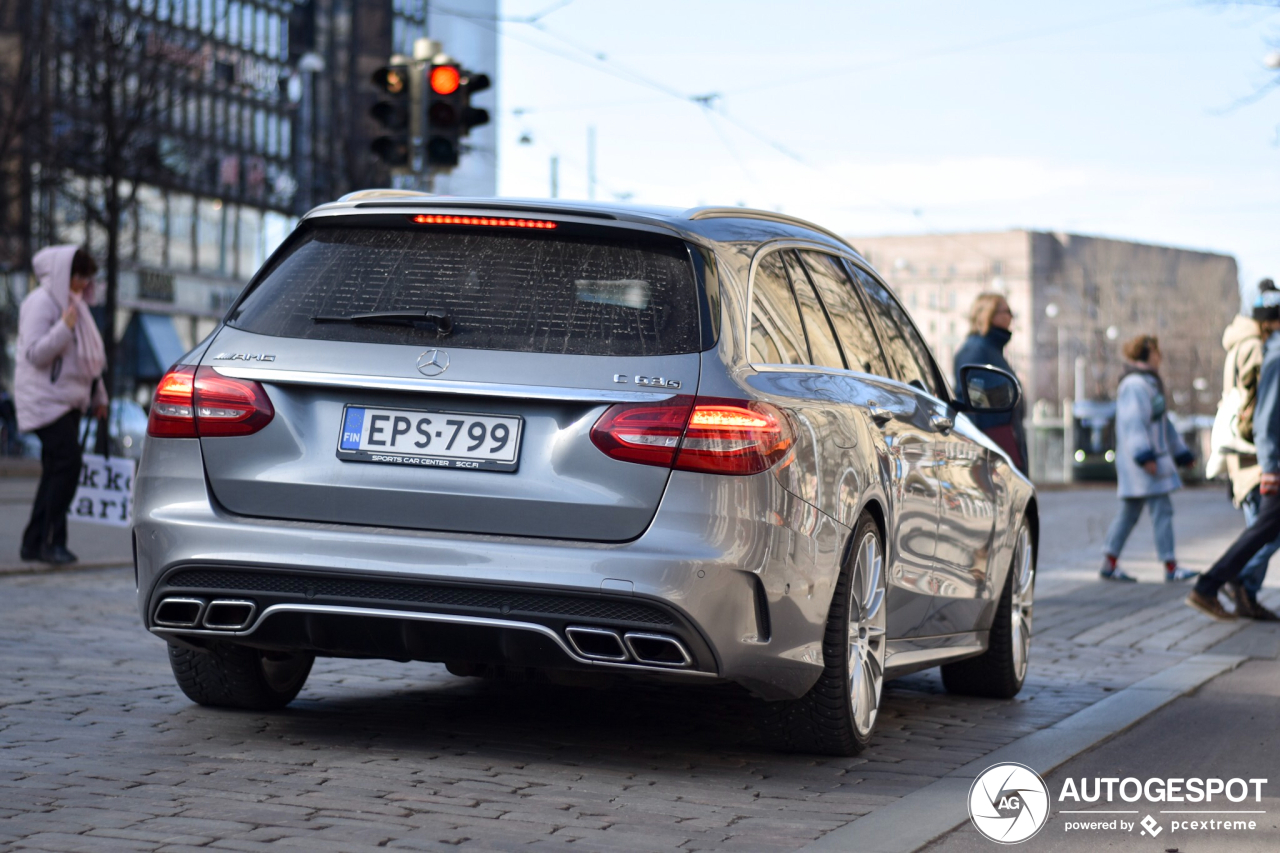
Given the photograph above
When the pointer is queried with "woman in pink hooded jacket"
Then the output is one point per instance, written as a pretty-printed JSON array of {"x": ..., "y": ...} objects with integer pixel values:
[{"x": 60, "y": 360}]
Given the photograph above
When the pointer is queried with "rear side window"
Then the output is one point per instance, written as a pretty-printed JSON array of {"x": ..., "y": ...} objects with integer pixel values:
[
  {"x": 776, "y": 334},
  {"x": 823, "y": 348},
  {"x": 616, "y": 293}
]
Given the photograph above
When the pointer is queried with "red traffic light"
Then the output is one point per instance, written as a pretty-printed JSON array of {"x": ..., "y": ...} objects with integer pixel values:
[{"x": 445, "y": 79}]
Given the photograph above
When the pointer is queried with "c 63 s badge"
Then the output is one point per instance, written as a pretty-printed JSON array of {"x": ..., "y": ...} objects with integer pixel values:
[{"x": 648, "y": 381}]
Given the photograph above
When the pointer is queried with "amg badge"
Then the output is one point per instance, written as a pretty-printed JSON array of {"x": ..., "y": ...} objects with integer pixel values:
[{"x": 243, "y": 356}]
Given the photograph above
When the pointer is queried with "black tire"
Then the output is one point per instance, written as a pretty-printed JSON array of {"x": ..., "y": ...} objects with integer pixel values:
[
  {"x": 999, "y": 672},
  {"x": 230, "y": 676},
  {"x": 824, "y": 721}
]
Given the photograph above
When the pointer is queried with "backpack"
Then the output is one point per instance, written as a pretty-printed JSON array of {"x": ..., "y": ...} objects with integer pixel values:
[
  {"x": 1233, "y": 423},
  {"x": 1248, "y": 389}
]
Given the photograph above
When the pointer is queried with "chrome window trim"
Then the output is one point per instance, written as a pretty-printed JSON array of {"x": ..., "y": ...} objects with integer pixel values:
[
  {"x": 440, "y": 386},
  {"x": 482, "y": 621}
]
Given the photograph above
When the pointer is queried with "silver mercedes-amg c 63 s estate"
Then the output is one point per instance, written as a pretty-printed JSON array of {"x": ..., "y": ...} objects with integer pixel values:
[{"x": 701, "y": 445}]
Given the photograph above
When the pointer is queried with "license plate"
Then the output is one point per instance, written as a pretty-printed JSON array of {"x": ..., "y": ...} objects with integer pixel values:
[{"x": 430, "y": 439}]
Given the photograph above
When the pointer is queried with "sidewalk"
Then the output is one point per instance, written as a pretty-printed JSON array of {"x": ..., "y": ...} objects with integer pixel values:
[{"x": 96, "y": 545}]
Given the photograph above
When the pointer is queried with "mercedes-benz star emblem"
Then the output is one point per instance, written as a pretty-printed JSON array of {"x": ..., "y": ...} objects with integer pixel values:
[{"x": 433, "y": 362}]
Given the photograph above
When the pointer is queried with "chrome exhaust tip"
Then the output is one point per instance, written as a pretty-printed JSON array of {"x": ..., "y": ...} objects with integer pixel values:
[
  {"x": 658, "y": 650},
  {"x": 179, "y": 612},
  {"x": 228, "y": 614},
  {"x": 596, "y": 643}
]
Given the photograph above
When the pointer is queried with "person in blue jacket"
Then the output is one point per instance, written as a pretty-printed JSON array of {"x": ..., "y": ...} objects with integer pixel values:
[
  {"x": 1266, "y": 527},
  {"x": 989, "y": 322},
  {"x": 1149, "y": 452}
]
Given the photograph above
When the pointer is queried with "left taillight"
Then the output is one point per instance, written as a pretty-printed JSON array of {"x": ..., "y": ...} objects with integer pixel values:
[
  {"x": 710, "y": 435},
  {"x": 195, "y": 402}
]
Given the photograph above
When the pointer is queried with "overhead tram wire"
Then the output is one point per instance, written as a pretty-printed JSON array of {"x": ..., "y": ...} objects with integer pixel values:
[
  {"x": 1009, "y": 38},
  {"x": 600, "y": 61}
]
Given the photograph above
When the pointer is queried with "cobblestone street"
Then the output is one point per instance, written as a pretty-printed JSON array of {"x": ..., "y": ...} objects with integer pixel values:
[{"x": 100, "y": 751}]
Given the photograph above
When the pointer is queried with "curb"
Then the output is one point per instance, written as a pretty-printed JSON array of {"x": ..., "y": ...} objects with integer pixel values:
[
  {"x": 49, "y": 568},
  {"x": 924, "y": 815}
]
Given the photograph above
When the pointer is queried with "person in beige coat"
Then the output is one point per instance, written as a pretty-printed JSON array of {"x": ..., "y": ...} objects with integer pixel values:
[{"x": 1243, "y": 340}]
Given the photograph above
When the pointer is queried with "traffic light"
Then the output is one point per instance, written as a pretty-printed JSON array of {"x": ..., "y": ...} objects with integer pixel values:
[
  {"x": 444, "y": 114},
  {"x": 473, "y": 116},
  {"x": 392, "y": 112}
]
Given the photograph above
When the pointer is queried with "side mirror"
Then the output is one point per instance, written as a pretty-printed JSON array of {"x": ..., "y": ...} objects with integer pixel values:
[{"x": 988, "y": 390}]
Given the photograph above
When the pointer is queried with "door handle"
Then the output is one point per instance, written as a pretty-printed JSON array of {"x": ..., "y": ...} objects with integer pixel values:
[
  {"x": 880, "y": 415},
  {"x": 942, "y": 423}
]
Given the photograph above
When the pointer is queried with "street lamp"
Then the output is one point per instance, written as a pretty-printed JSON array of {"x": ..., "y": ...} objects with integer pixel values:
[{"x": 1272, "y": 59}]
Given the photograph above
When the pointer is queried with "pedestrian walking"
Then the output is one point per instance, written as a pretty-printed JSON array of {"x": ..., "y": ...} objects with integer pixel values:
[
  {"x": 57, "y": 378},
  {"x": 990, "y": 319},
  {"x": 1233, "y": 428},
  {"x": 1266, "y": 525},
  {"x": 1149, "y": 452}
]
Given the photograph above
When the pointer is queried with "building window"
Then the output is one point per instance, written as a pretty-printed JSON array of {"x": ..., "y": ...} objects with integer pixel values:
[
  {"x": 249, "y": 249},
  {"x": 210, "y": 233},
  {"x": 150, "y": 227},
  {"x": 997, "y": 268},
  {"x": 181, "y": 231}
]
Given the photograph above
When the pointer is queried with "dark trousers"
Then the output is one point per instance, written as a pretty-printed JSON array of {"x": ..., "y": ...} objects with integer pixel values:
[
  {"x": 60, "y": 458},
  {"x": 1263, "y": 532}
]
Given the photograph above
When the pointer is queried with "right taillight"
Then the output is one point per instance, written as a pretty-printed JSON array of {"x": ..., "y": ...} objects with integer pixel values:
[
  {"x": 191, "y": 402},
  {"x": 711, "y": 435}
]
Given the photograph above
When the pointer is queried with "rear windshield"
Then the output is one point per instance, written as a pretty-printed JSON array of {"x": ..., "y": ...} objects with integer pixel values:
[{"x": 600, "y": 293}]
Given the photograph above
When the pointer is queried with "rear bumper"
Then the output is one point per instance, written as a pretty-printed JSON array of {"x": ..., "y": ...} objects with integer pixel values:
[{"x": 735, "y": 569}]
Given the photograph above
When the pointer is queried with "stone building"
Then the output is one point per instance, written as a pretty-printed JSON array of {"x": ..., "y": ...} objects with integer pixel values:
[{"x": 1076, "y": 299}]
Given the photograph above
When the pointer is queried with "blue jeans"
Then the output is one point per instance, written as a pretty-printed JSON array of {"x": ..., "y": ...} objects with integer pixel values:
[
  {"x": 1255, "y": 571},
  {"x": 1161, "y": 518}
]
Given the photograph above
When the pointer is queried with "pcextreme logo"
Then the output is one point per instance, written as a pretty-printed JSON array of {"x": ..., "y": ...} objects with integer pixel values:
[{"x": 1009, "y": 803}]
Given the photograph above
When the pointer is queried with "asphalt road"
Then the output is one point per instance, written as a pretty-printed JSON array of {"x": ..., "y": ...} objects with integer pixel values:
[{"x": 100, "y": 751}]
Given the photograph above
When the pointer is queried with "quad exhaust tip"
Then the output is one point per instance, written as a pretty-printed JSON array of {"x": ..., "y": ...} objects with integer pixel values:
[
  {"x": 227, "y": 614},
  {"x": 658, "y": 650},
  {"x": 596, "y": 643},
  {"x": 221, "y": 614},
  {"x": 180, "y": 612},
  {"x": 604, "y": 644}
]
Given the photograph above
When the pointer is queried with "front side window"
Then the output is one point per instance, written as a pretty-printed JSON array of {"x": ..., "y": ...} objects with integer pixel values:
[
  {"x": 853, "y": 326},
  {"x": 776, "y": 337},
  {"x": 907, "y": 351}
]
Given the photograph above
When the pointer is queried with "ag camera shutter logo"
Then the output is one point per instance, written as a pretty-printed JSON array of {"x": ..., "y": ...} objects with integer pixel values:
[{"x": 1009, "y": 803}]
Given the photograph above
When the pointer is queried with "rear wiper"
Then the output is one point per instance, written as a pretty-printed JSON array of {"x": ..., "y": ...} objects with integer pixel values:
[{"x": 443, "y": 322}]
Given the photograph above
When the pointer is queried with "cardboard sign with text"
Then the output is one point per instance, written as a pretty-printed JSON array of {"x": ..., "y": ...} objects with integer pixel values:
[{"x": 105, "y": 492}]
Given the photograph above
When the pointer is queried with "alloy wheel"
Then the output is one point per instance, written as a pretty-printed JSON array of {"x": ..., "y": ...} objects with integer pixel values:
[
  {"x": 1022, "y": 600},
  {"x": 866, "y": 634}
]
